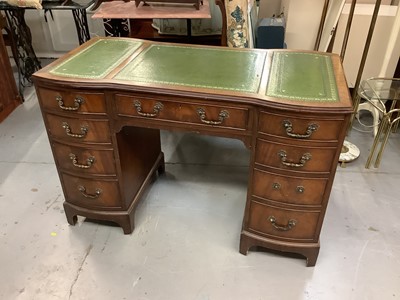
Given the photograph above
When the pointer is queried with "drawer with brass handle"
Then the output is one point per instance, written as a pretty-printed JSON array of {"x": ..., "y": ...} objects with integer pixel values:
[
  {"x": 288, "y": 189},
  {"x": 283, "y": 223},
  {"x": 89, "y": 161},
  {"x": 301, "y": 127},
  {"x": 295, "y": 158},
  {"x": 183, "y": 112},
  {"x": 93, "y": 193},
  {"x": 78, "y": 130},
  {"x": 82, "y": 102}
]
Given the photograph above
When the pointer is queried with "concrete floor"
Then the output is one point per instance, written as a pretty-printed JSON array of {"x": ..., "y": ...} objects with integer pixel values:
[{"x": 186, "y": 241}]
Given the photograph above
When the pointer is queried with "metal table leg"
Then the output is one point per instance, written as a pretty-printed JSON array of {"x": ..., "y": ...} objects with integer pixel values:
[
  {"x": 24, "y": 55},
  {"x": 116, "y": 27},
  {"x": 81, "y": 25}
]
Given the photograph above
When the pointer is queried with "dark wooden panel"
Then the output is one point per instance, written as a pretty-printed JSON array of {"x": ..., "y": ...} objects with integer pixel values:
[
  {"x": 301, "y": 127},
  {"x": 79, "y": 130},
  {"x": 91, "y": 193},
  {"x": 289, "y": 189},
  {"x": 10, "y": 97},
  {"x": 103, "y": 160},
  {"x": 93, "y": 103},
  {"x": 183, "y": 111},
  {"x": 271, "y": 154}
]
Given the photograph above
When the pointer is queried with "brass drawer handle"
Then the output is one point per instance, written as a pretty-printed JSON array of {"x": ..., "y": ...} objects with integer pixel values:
[
  {"x": 289, "y": 129},
  {"x": 156, "y": 109},
  {"x": 84, "y": 130},
  {"x": 77, "y": 103},
  {"x": 89, "y": 161},
  {"x": 287, "y": 227},
  {"x": 304, "y": 158},
  {"x": 221, "y": 117},
  {"x": 96, "y": 194},
  {"x": 299, "y": 189}
]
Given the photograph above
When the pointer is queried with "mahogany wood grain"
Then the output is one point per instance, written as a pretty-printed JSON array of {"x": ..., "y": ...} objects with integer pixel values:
[
  {"x": 83, "y": 192},
  {"x": 82, "y": 130},
  {"x": 103, "y": 159},
  {"x": 295, "y": 190},
  {"x": 327, "y": 128},
  {"x": 184, "y": 111},
  {"x": 93, "y": 102},
  {"x": 320, "y": 161},
  {"x": 305, "y": 222}
]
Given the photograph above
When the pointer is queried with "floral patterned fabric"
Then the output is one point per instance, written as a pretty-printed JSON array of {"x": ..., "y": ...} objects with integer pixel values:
[{"x": 237, "y": 23}]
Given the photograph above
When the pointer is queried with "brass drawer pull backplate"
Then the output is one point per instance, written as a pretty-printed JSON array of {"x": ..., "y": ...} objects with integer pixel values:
[
  {"x": 289, "y": 130},
  {"x": 77, "y": 103},
  {"x": 156, "y": 109},
  {"x": 287, "y": 227},
  {"x": 304, "y": 158},
  {"x": 89, "y": 161},
  {"x": 221, "y": 117},
  {"x": 96, "y": 194},
  {"x": 84, "y": 130},
  {"x": 299, "y": 189}
]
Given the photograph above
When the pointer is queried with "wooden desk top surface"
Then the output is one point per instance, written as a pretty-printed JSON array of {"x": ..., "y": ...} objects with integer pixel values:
[
  {"x": 128, "y": 10},
  {"x": 283, "y": 77}
]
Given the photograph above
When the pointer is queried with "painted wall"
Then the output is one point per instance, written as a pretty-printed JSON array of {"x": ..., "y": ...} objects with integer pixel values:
[
  {"x": 53, "y": 38},
  {"x": 302, "y": 23}
]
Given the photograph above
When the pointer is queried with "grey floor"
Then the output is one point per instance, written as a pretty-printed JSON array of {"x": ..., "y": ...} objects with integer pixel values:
[{"x": 186, "y": 241}]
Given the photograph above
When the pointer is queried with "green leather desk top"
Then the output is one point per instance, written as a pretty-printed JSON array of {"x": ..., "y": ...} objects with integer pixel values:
[
  {"x": 216, "y": 68},
  {"x": 302, "y": 76},
  {"x": 289, "y": 75},
  {"x": 97, "y": 60}
]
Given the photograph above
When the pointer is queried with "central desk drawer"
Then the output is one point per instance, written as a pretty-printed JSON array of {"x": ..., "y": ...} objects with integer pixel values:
[
  {"x": 83, "y": 160},
  {"x": 225, "y": 116}
]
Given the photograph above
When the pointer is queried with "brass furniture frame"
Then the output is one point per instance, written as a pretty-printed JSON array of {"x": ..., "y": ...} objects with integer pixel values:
[{"x": 377, "y": 91}]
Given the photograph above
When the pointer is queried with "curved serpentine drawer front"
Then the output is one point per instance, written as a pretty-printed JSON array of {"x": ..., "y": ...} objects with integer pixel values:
[
  {"x": 295, "y": 158},
  {"x": 301, "y": 127},
  {"x": 283, "y": 223},
  {"x": 79, "y": 130},
  {"x": 288, "y": 189},
  {"x": 85, "y": 161},
  {"x": 92, "y": 193},
  {"x": 183, "y": 112},
  {"x": 74, "y": 102}
]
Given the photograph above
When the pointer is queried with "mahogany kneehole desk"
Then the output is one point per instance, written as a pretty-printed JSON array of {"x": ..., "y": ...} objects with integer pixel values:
[{"x": 106, "y": 99}]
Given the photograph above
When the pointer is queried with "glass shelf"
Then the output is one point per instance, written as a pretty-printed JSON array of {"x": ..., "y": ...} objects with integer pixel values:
[{"x": 376, "y": 92}]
